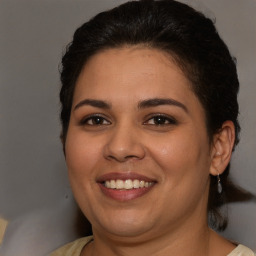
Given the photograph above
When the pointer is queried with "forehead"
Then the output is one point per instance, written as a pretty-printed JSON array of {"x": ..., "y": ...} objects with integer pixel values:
[{"x": 130, "y": 68}]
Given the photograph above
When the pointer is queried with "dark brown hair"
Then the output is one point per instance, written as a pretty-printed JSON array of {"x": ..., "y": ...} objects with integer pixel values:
[{"x": 192, "y": 41}]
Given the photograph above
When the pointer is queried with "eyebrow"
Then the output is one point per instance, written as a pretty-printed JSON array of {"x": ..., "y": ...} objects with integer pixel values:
[
  {"x": 159, "y": 101},
  {"x": 141, "y": 105},
  {"x": 93, "y": 103}
]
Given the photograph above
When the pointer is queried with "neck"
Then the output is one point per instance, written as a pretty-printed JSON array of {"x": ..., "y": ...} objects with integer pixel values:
[{"x": 187, "y": 241}]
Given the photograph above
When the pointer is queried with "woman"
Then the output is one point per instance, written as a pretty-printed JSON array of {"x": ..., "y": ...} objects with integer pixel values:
[{"x": 149, "y": 118}]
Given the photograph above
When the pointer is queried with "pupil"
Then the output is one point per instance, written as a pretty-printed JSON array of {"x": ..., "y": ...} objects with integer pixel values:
[
  {"x": 159, "y": 120},
  {"x": 97, "y": 120}
]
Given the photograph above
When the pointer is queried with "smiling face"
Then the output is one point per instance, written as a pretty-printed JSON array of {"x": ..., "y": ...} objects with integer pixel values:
[{"x": 137, "y": 148}]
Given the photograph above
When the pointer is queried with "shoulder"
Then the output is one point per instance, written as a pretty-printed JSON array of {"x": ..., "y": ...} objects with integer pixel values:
[
  {"x": 241, "y": 250},
  {"x": 73, "y": 248}
]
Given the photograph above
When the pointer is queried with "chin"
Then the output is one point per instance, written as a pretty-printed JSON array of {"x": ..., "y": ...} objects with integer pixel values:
[
  {"x": 125, "y": 230},
  {"x": 124, "y": 225}
]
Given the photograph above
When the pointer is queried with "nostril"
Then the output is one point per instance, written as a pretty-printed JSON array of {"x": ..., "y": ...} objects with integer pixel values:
[{"x": 131, "y": 156}]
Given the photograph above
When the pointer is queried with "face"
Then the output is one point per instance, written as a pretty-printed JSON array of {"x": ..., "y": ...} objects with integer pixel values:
[{"x": 137, "y": 148}]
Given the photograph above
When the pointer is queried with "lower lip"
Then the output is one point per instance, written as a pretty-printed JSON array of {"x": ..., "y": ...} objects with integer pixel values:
[{"x": 124, "y": 195}]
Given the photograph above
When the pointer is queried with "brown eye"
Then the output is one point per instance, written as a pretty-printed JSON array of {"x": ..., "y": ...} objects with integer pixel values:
[{"x": 161, "y": 120}]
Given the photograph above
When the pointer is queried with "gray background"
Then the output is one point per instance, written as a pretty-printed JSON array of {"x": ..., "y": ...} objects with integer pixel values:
[{"x": 35, "y": 196}]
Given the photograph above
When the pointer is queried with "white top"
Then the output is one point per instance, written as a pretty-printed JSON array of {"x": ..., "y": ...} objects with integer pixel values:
[
  {"x": 75, "y": 248},
  {"x": 241, "y": 250}
]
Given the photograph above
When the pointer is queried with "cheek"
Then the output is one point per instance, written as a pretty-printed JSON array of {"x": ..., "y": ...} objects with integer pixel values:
[
  {"x": 182, "y": 153},
  {"x": 81, "y": 155}
]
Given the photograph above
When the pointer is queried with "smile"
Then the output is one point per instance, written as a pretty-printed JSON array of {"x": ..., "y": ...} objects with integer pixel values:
[{"x": 127, "y": 184}]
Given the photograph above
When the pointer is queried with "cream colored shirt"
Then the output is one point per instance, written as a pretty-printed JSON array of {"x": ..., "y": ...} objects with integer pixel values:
[{"x": 75, "y": 248}]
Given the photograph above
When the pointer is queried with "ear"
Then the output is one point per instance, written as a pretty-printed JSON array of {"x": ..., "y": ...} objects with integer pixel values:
[{"x": 223, "y": 142}]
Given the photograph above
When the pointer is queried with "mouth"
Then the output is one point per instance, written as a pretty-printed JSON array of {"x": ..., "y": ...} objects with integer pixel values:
[{"x": 124, "y": 187}]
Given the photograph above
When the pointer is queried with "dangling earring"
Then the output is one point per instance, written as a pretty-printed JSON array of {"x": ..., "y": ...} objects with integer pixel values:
[{"x": 219, "y": 186}]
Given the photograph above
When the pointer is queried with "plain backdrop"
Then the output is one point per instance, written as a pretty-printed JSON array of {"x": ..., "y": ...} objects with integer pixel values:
[{"x": 35, "y": 195}]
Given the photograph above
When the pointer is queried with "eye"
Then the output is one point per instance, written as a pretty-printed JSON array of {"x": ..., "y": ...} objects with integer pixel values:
[
  {"x": 161, "y": 120},
  {"x": 95, "y": 120}
]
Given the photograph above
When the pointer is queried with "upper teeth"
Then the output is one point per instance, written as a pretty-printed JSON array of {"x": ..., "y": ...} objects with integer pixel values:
[{"x": 127, "y": 184}]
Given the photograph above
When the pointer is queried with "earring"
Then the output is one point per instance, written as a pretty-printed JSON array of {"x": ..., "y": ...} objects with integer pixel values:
[{"x": 219, "y": 186}]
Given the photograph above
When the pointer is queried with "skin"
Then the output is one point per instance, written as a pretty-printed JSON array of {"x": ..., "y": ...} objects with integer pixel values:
[{"x": 171, "y": 219}]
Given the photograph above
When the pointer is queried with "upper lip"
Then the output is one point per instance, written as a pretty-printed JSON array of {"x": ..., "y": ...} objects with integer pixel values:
[{"x": 123, "y": 176}]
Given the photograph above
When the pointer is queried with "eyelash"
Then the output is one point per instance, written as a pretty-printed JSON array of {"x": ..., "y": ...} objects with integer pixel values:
[{"x": 161, "y": 118}]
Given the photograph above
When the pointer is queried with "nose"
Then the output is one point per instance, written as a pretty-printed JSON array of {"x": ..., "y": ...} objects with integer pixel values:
[{"x": 124, "y": 144}]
